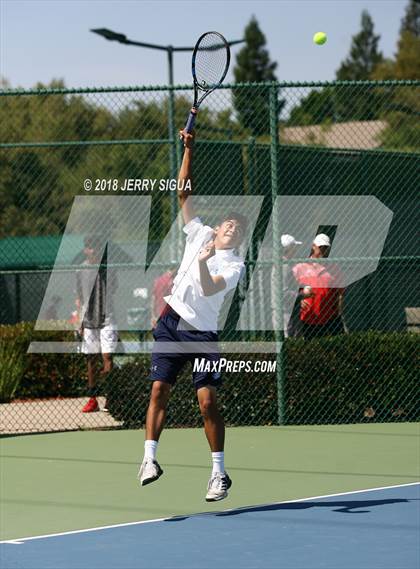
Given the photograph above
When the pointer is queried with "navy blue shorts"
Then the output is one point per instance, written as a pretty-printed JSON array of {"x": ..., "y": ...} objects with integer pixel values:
[{"x": 166, "y": 366}]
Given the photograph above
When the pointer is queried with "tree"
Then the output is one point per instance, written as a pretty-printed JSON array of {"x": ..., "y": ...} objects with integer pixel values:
[
  {"x": 364, "y": 54},
  {"x": 402, "y": 110},
  {"x": 407, "y": 59},
  {"x": 38, "y": 183},
  {"x": 411, "y": 21},
  {"x": 363, "y": 59},
  {"x": 253, "y": 65},
  {"x": 406, "y": 63},
  {"x": 344, "y": 103}
]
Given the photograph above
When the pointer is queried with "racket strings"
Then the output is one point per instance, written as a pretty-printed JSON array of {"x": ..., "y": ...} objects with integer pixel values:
[{"x": 211, "y": 61}]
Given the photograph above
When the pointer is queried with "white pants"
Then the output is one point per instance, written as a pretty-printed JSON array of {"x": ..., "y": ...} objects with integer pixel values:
[{"x": 100, "y": 340}]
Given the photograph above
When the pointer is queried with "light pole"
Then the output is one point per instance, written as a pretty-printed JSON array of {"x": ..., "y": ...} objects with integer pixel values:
[{"x": 121, "y": 38}]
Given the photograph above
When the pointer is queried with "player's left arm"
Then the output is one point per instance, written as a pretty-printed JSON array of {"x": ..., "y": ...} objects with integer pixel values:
[{"x": 184, "y": 176}]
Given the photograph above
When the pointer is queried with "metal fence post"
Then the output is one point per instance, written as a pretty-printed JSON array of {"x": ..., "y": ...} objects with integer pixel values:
[
  {"x": 173, "y": 144},
  {"x": 18, "y": 298},
  {"x": 277, "y": 281},
  {"x": 253, "y": 247}
]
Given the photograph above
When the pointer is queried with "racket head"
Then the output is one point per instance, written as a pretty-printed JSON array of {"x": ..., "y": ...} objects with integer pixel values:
[{"x": 210, "y": 61}]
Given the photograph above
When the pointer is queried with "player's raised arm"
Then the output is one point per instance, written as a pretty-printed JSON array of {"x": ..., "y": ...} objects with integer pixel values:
[{"x": 185, "y": 176}]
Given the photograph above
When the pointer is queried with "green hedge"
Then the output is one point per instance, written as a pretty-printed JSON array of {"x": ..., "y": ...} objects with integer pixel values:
[
  {"x": 12, "y": 359},
  {"x": 353, "y": 378},
  {"x": 38, "y": 375},
  {"x": 359, "y": 377},
  {"x": 363, "y": 377}
]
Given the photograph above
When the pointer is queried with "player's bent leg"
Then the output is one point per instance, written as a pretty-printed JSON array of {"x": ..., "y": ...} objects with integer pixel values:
[
  {"x": 214, "y": 425},
  {"x": 150, "y": 469},
  {"x": 219, "y": 483},
  {"x": 156, "y": 413}
]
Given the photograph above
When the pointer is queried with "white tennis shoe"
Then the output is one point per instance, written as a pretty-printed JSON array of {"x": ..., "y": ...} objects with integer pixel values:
[
  {"x": 218, "y": 487},
  {"x": 150, "y": 471}
]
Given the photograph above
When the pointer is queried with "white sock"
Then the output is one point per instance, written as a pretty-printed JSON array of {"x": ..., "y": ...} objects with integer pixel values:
[
  {"x": 150, "y": 448},
  {"x": 218, "y": 462}
]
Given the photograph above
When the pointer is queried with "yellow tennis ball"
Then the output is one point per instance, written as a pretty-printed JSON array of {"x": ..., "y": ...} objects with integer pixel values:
[{"x": 320, "y": 38}]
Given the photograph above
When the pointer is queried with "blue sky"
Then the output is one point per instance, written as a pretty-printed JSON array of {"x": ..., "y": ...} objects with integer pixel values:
[{"x": 45, "y": 39}]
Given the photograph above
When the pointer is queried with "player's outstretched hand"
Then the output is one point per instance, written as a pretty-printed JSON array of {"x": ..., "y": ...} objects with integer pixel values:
[
  {"x": 208, "y": 251},
  {"x": 187, "y": 138}
]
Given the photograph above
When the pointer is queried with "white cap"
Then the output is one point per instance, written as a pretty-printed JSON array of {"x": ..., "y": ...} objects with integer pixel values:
[
  {"x": 322, "y": 240},
  {"x": 289, "y": 240}
]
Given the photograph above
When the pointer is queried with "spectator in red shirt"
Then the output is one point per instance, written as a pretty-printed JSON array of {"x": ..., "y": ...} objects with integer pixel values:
[
  {"x": 162, "y": 286},
  {"x": 321, "y": 287}
]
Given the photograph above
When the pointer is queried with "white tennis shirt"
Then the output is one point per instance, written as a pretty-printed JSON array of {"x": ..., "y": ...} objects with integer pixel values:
[{"x": 187, "y": 297}]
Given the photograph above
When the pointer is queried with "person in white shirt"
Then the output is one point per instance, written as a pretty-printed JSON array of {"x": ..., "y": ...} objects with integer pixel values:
[
  {"x": 210, "y": 268},
  {"x": 290, "y": 307}
]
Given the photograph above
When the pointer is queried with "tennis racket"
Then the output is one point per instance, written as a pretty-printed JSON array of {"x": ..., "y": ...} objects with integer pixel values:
[{"x": 210, "y": 63}]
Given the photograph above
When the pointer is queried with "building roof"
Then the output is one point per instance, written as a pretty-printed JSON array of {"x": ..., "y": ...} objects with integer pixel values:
[
  {"x": 41, "y": 252},
  {"x": 356, "y": 134},
  {"x": 37, "y": 252}
]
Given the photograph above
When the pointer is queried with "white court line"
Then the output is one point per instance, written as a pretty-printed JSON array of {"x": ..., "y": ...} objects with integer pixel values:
[{"x": 22, "y": 540}]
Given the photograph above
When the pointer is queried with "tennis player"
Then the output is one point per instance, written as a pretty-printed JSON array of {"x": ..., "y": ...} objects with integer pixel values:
[{"x": 208, "y": 271}]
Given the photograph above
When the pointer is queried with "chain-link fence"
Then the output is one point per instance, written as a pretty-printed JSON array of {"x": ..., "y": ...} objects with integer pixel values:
[{"x": 338, "y": 159}]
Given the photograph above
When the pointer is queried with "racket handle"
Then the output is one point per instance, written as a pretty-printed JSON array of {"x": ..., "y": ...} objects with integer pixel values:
[{"x": 191, "y": 120}]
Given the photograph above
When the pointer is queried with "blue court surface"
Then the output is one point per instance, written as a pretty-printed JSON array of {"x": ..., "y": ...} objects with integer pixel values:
[{"x": 377, "y": 528}]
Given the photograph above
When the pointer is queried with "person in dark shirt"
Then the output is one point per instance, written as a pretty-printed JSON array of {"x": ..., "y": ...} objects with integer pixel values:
[{"x": 95, "y": 291}]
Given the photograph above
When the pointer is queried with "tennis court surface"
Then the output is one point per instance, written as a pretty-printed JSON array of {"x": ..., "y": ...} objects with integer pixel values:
[{"x": 302, "y": 497}]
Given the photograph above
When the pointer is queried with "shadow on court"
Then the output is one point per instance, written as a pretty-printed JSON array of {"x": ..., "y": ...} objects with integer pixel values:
[{"x": 342, "y": 507}]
